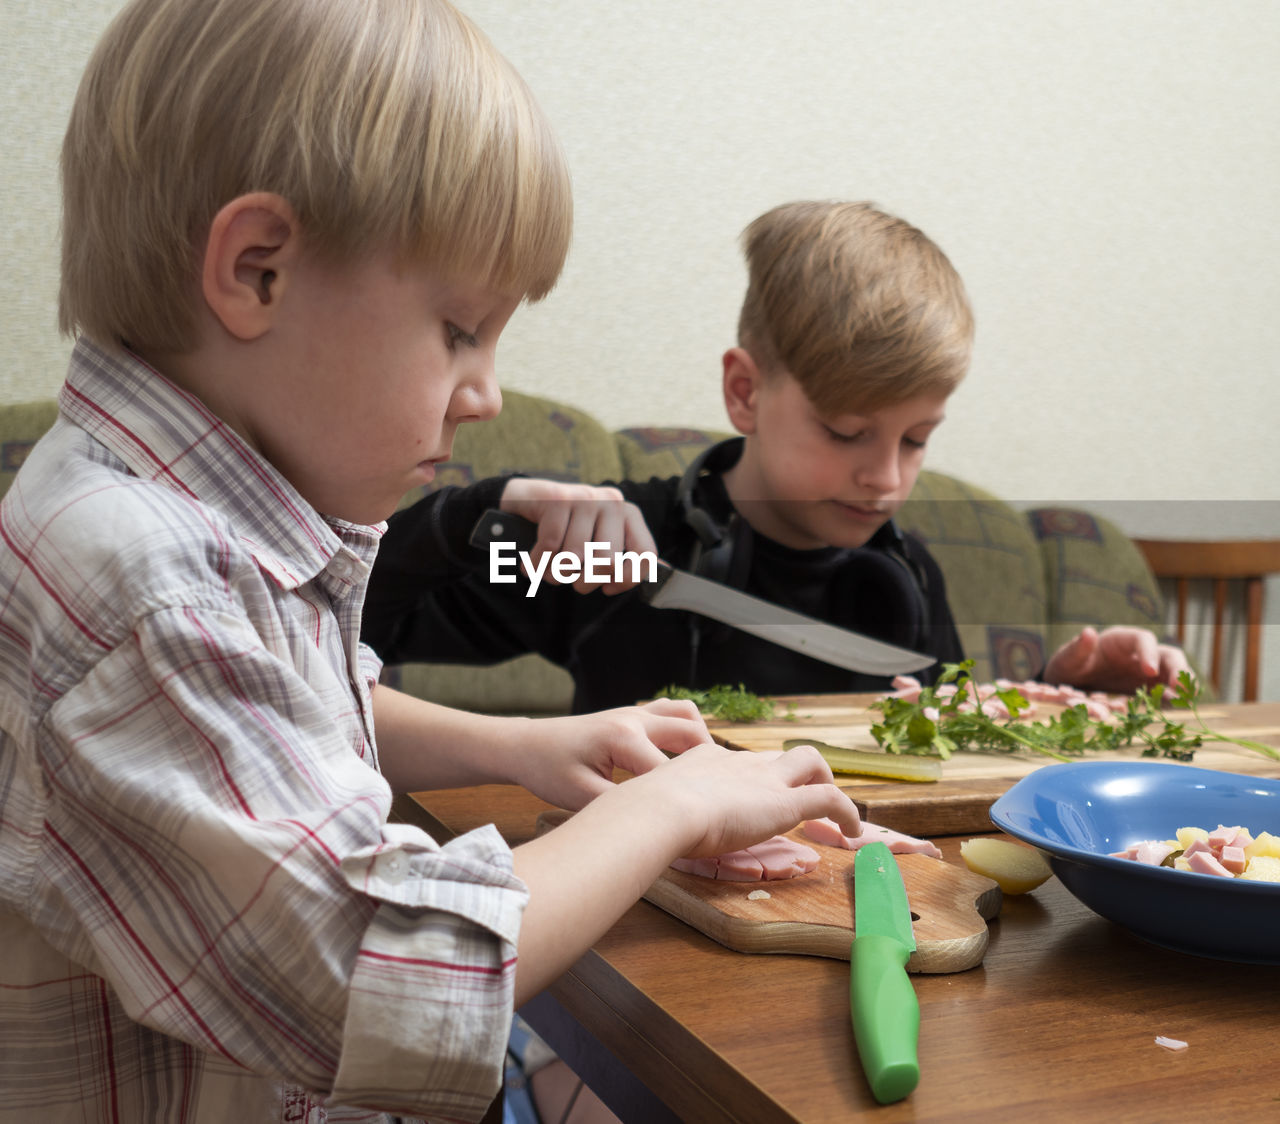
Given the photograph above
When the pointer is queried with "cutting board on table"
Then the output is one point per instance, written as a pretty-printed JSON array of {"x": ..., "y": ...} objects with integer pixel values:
[
  {"x": 813, "y": 914},
  {"x": 971, "y": 782}
]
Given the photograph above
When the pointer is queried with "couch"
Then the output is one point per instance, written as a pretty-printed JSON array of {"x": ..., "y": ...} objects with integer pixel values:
[{"x": 1020, "y": 582}]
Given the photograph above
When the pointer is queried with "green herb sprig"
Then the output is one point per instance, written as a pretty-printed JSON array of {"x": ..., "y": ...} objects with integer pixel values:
[
  {"x": 729, "y": 704},
  {"x": 906, "y": 727}
]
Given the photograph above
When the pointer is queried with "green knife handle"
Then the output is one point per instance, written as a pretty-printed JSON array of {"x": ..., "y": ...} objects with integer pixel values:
[{"x": 886, "y": 1016}]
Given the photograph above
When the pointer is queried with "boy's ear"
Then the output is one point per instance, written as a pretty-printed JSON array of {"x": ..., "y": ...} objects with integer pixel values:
[
  {"x": 741, "y": 384},
  {"x": 249, "y": 258}
]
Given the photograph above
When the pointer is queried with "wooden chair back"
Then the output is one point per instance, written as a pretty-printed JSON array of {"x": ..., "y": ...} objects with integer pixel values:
[{"x": 1219, "y": 562}]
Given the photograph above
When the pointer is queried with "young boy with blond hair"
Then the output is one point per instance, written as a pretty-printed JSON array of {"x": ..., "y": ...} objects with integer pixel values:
[
  {"x": 293, "y": 231},
  {"x": 854, "y": 332}
]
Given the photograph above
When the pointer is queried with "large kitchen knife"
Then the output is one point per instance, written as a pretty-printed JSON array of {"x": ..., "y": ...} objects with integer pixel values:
[
  {"x": 676, "y": 589},
  {"x": 882, "y": 1002}
]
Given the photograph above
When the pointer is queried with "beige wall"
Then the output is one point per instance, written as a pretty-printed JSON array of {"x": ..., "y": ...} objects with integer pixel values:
[{"x": 1105, "y": 174}]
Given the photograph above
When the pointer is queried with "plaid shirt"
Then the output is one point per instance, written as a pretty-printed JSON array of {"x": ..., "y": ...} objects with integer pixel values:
[{"x": 204, "y": 914}]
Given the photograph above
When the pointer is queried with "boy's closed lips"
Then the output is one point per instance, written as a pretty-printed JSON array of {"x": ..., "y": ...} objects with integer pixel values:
[{"x": 869, "y": 514}]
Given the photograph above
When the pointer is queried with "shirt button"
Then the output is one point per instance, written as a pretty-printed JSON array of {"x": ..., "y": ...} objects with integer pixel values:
[
  {"x": 392, "y": 867},
  {"x": 341, "y": 566}
]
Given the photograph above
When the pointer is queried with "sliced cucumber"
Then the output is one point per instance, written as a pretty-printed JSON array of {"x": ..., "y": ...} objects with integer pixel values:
[{"x": 891, "y": 766}]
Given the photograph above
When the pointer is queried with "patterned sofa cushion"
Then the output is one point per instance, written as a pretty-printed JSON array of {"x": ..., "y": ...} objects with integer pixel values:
[
  {"x": 995, "y": 581},
  {"x": 662, "y": 451},
  {"x": 21, "y": 426},
  {"x": 1094, "y": 574}
]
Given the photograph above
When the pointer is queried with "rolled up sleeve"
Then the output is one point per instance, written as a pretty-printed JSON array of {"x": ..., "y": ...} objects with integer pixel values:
[{"x": 431, "y": 989}]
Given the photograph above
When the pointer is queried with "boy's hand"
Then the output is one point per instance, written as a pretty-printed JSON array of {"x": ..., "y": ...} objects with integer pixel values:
[
  {"x": 1120, "y": 659},
  {"x": 571, "y": 515},
  {"x": 709, "y": 800},
  {"x": 571, "y": 761},
  {"x": 729, "y": 799}
]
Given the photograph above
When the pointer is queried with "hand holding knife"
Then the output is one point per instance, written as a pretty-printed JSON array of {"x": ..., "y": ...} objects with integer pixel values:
[{"x": 676, "y": 589}]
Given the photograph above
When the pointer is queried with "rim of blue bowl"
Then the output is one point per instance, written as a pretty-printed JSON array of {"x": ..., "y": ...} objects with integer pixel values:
[{"x": 1032, "y": 782}]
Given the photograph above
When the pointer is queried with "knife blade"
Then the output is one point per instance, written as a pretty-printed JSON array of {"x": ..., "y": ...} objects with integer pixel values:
[
  {"x": 678, "y": 589},
  {"x": 882, "y": 1002}
]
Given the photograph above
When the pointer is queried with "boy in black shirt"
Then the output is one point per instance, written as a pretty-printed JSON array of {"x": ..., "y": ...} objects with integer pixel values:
[{"x": 853, "y": 334}]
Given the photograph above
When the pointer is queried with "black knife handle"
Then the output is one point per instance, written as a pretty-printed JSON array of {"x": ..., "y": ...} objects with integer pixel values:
[{"x": 502, "y": 526}]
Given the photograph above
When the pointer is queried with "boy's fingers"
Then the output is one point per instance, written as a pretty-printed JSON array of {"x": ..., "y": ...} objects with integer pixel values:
[
  {"x": 1130, "y": 651},
  {"x": 621, "y": 525},
  {"x": 1173, "y": 661},
  {"x": 1083, "y": 647},
  {"x": 674, "y": 734},
  {"x": 552, "y": 520},
  {"x": 602, "y": 523},
  {"x": 680, "y": 708},
  {"x": 1148, "y": 653},
  {"x": 639, "y": 755},
  {"x": 581, "y": 527},
  {"x": 817, "y": 794},
  {"x": 826, "y": 801},
  {"x": 1071, "y": 660},
  {"x": 805, "y": 765}
]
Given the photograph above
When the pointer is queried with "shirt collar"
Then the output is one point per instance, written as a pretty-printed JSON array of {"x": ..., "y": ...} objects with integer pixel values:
[{"x": 163, "y": 433}]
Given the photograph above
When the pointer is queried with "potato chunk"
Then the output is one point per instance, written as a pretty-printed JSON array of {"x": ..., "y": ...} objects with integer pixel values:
[
  {"x": 1265, "y": 845},
  {"x": 1016, "y": 868},
  {"x": 1188, "y": 835},
  {"x": 1263, "y": 868}
]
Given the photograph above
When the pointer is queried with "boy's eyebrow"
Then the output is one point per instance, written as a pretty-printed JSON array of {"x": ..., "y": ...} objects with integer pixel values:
[{"x": 856, "y": 416}]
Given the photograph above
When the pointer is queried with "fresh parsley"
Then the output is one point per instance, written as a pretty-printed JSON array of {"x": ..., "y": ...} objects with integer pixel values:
[
  {"x": 729, "y": 704},
  {"x": 905, "y": 727}
]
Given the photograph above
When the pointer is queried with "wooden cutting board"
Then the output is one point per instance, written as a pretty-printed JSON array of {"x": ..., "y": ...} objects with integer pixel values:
[
  {"x": 813, "y": 914},
  {"x": 971, "y": 782}
]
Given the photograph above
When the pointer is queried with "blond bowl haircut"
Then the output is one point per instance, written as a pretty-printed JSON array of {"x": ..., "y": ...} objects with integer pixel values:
[
  {"x": 861, "y": 308},
  {"x": 381, "y": 122}
]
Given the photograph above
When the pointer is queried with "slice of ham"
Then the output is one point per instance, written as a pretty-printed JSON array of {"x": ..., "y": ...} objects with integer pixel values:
[
  {"x": 784, "y": 858},
  {"x": 1150, "y": 851},
  {"x": 769, "y": 861},
  {"x": 1234, "y": 859},
  {"x": 1203, "y": 862},
  {"x": 828, "y": 833},
  {"x": 1229, "y": 837},
  {"x": 1197, "y": 847}
]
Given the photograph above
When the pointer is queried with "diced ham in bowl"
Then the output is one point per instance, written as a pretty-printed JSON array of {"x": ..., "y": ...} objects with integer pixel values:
[{"x": 1227, "y": 852}]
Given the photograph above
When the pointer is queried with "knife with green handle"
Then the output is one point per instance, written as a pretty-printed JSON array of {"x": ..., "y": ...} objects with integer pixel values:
[{"x": 883, "y": 1004}]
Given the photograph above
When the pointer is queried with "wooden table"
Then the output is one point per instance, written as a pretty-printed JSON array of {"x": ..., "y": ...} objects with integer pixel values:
[{"x": 1058, "y": 1023}]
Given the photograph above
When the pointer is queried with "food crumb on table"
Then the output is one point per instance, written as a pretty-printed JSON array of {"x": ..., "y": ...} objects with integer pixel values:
[
  {"x": 758, "y": 895},
  {"x": 1170, "y": 1043}
]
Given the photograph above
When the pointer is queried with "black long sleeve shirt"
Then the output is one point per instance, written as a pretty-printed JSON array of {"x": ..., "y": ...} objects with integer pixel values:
[{"x": 430, "y": 600}]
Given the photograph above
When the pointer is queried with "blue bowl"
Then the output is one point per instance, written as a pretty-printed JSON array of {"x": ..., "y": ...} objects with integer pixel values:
[{"x": 1079, "y": 813}]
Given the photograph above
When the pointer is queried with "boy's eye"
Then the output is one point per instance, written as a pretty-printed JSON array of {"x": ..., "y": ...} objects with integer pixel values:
[
  {"x": 842, "y": 438},
  {"x": 458, "y": 336}
]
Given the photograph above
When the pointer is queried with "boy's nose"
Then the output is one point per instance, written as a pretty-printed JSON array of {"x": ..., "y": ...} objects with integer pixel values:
[
  {"x": 879, "y": 472},
  {"x": 479, "y": 398}
]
